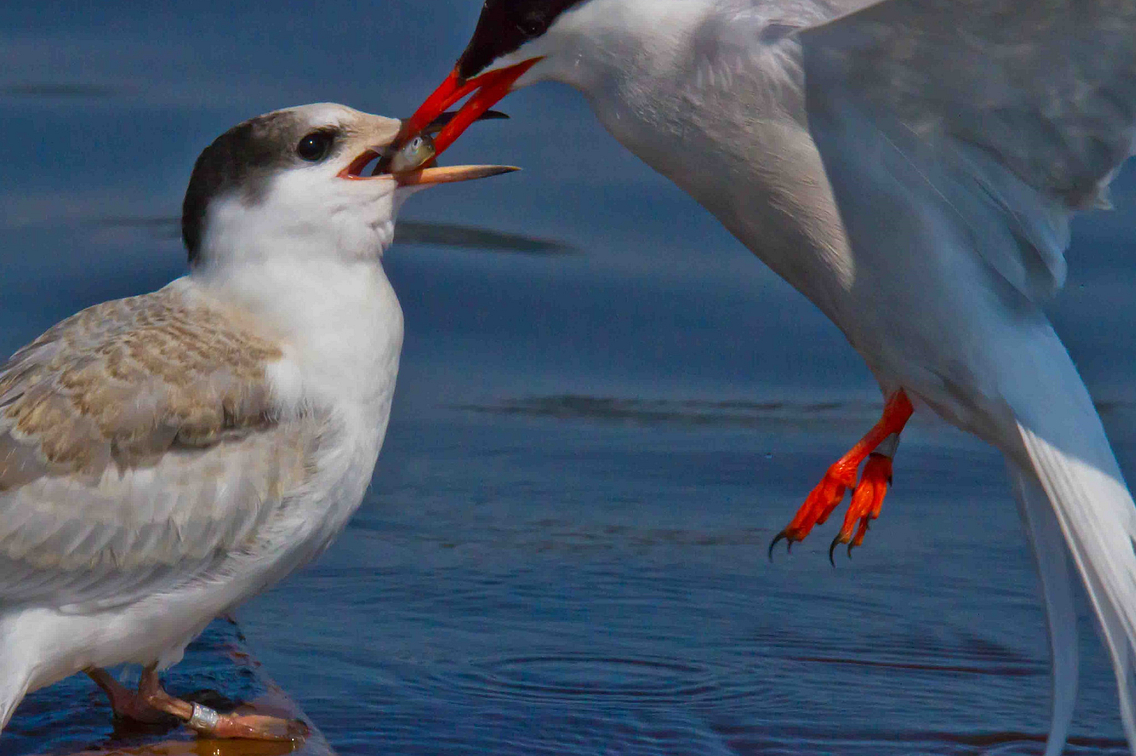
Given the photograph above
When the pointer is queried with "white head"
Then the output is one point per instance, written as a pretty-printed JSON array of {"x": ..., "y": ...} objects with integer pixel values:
[
  {"x": 517, "y": 43},
  {"x": 512, "y": 32},
  {"x": 583, "y": 43},
  {"x": 292, "y": 182}
]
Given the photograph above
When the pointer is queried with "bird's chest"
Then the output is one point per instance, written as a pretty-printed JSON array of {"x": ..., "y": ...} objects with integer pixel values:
[
  {"x": 337, "y": 379},
  {"x": 342, "y": 471},
  {"x": 350, "y": 377},
  {"x": 346, "y": 342},
  {"x": 344, "y": 444},
  {"x": 739, "y": 146}
]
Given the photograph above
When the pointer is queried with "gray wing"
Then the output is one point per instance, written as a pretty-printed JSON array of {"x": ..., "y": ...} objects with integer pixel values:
[
  {"x": 1014, "y": 113},
  {"x": 756, "y": 38},
  {"x": 955, "y": 128},
  {"x": 138, "y": 447}
]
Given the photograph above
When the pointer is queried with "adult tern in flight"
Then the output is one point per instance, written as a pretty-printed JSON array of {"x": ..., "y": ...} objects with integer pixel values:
[
  {"x": 911, "y": 166},
  {"x": 165, "y": 457}
]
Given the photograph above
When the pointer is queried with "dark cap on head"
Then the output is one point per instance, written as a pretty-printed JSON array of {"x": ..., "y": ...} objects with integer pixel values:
[
  {"x": 240, "y": 159},
  {"x": 504, "y": 26}
]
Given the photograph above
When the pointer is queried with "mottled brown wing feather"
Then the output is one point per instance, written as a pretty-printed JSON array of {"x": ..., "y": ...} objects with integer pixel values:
[
  {"x": 127, "y": 380},
  {"x": 138, "y": 445}
]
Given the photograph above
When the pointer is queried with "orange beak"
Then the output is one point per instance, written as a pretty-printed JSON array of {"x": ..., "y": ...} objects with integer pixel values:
[
  {"x": 487, "y": 89},
  {"x": 449, "y": 174}
]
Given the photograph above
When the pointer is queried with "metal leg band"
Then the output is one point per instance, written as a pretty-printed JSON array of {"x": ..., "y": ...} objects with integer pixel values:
[
  {"x": 889, "y": 446},
  {"x": 204, "y": 719}
]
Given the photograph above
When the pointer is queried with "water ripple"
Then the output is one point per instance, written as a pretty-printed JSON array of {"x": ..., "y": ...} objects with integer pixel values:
[{"x": 597, "y": 679}]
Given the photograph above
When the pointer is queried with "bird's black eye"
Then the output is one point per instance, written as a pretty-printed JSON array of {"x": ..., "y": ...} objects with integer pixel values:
[
  {"x": 315, "y": 146},
  {"x": 531, "y": 26}
]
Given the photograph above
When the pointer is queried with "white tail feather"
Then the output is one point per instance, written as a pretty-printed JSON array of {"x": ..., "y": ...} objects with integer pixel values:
[
  {"x": 1067, "y": 455},
  {"x": 1096, "y": 514},
  {"x": 9, "y": 700},
  {"x": 13, "y": 681},
  {"x": 1048, "y": 541}
]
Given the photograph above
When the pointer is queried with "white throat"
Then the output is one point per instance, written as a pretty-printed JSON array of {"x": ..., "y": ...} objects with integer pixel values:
[
  {"x": 601, "y": 44},
  {"x": 691, "y": 91},
  {"x": 303, "y": 213},
  {"x": 318, "y": 289}
]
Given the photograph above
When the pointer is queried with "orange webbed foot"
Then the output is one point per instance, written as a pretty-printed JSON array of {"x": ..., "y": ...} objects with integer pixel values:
[
  {"x": 820, "y": 503},
  {"x": 869, "y": 493},
  {"x": 866, "y": 503}
]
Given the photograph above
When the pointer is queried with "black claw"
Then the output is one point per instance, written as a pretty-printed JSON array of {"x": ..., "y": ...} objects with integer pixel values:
[
  {"x": 832, "y": 548},
  {"x": 777, "y": 539},
  {"x": 850, "y": 547}
]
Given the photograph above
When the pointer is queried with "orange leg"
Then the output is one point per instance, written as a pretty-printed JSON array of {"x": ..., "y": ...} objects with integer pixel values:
[
  {"x": 125, "y": 703},
  {"x": 153, "y": 704},
  {"x": 868, "y": 496}
]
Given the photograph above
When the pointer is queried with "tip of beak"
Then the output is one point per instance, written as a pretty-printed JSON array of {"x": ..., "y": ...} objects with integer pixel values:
[{"x": 452, "y": 173}]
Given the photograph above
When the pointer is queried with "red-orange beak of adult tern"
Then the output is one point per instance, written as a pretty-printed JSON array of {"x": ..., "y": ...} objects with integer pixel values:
[
  {"x": 487, "y": 90},
  {"x": 417, "y": 166}
]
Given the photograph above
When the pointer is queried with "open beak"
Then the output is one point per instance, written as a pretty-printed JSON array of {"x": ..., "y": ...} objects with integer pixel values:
[
  {"x": 487, "y": 90},
  {"x": 449, "y": 174},
  {"x": 446, "y": 174}
]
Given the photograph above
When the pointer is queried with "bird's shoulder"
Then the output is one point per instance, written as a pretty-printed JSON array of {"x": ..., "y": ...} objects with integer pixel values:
[
  {"x": 750, "y": 47},
  {"x": 742, "y": 28},
  {"x": 124, "y": 381}
]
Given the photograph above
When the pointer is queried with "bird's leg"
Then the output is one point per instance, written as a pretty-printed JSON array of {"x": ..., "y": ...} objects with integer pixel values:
[
  {"x": 869, "y": 494},
  {"x": 211, "y": 723},
  {"x": 126, "y": 703}
]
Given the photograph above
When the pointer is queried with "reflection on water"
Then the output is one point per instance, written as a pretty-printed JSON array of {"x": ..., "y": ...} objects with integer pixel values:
[
  {"x": 469, "y": 237},
  {"x": 564, "y": 549},
  {"x": 690, "y": 412},
  {"x": 53, "y": 90},
  {"x": 580, "y": 586},
  {"x": 450, "y": 235},
  {"x": 73, "y": 717}
]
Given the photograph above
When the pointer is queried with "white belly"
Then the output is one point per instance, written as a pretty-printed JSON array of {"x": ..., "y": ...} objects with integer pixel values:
[{"x": 49, "y": 644}]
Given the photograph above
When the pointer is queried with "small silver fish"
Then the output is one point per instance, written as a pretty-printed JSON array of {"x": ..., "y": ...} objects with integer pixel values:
[{"x": 413, "y": 154}]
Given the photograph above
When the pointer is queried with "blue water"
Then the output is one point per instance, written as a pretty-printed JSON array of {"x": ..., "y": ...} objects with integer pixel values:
[{"x": 564, "y": 547}]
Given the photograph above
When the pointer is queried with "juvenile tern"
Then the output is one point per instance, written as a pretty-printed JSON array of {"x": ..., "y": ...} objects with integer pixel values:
[
  {"x": 910, "y": 166},
  {"x": 167, "y": 456}
]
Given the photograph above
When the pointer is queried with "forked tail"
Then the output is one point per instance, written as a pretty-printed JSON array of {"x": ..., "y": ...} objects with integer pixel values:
[
  {"x": 1068, "y": 483},
  {"x": 1048, "y": 541}
]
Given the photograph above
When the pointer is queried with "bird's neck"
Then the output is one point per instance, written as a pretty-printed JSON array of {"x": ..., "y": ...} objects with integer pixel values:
[
  {"x": 338, "y": 322},
  {"x": 606, "y": 46},
  {"x": 731, "y": 133},
  {"x": 638, "y": 64}
]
